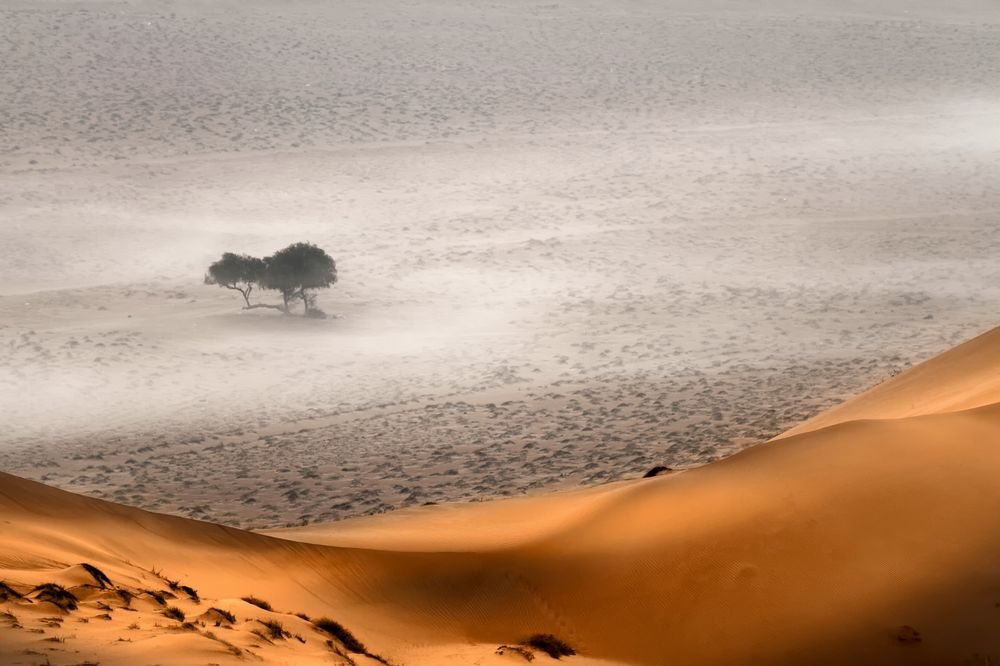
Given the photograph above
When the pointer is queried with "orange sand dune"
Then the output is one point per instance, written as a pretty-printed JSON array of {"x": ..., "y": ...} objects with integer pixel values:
[
  {"x": 962, "y": 378},
  {"x": 874, "y": 541}
]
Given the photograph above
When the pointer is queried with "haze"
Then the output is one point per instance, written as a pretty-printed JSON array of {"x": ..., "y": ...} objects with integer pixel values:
[{"x": 575, "y": 240}]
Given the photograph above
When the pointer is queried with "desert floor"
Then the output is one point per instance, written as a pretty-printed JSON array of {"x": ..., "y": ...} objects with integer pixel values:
[{"x": 574, "y": 240}]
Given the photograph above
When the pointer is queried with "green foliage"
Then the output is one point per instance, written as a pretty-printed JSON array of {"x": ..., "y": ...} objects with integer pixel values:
[
  {"x": 298, "y": 268},
  {"x": 295, "y": 271}
]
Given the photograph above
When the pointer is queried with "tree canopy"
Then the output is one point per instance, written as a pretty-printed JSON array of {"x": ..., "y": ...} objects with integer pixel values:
[
  {"x": 239, "y": 272},
  {"x": 295, "y": 271}
]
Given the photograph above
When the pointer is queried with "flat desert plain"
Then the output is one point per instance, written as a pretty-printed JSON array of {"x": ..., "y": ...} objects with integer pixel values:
[{"x": 574, "y": 240}]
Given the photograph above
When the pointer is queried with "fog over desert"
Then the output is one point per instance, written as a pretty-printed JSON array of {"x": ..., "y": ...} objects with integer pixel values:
[{"x": 574, "y": 241}]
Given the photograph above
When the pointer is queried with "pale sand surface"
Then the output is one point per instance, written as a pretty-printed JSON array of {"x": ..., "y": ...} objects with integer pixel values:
[
  {"x": 574, "y": 241},
  {"x": 842, "y": 544}
]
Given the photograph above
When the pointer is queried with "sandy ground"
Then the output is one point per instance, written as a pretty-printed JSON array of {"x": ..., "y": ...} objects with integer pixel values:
[
  {"x": 866, "y": 541},
  {"x": 574, "y": 241}
]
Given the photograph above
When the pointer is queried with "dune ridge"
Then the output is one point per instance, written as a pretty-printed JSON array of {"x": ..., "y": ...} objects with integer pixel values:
[{"x": 872, "y": 540}]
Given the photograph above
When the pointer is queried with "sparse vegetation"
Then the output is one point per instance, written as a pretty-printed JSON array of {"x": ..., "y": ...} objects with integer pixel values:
[
  {"x": 158, "y": 597},
  {"x": 191, "y": 592},
  {"x": 274, "y": 629},
  {"x": 259, "y": 603},
  {"x": 125, "y": 596},
  {"x": 341, "y": 633},
  {"x": 295, "y": 271},
  {"x": 102, "y": 580},
  {"x": 174, "y": 613},
  {"x": 550, "y": 645},
  {"x": 7, "y": 592},
  {"x": 57, "y": 595},
  {"x": 226, "y": 615},
  {"x": 519, "y": 650}
]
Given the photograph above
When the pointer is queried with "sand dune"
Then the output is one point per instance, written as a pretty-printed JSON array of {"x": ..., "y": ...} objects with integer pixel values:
[
  {"x": 962, "y": 378},
  {"x": 875, "y": 541}
]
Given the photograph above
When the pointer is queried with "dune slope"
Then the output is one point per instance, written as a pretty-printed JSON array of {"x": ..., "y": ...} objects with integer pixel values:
[
  {"x": 876, "y": 541},
  {"x": 961, "y": 378}
]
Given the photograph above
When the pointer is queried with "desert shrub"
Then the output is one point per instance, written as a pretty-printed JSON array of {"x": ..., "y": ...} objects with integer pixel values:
[
  {"x": 522, "y": 652},
  {"x": 259, "y": 603},
  {"x": 56, "y": 594},
  {"x": 655, "y": 471},
  {"x": 191, "y": 592},
  {"x": 340, "y": 632},
  {"x": 97, "y": 574},
  {"x": 302, "y": 616},
  {"x": 7, "y": 592},
  {"x": 174, "y": 613},
  {"x": 226, "y": 615},
  {"x": 550, "y": 645},
  {"x": 157, "y": 597},
  {"x": 274, "y": 628}
]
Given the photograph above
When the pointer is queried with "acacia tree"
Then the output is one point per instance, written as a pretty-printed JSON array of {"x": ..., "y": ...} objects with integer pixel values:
[
  {"x": 239, "y": 272},
  {"x": 297, "y": 269}
]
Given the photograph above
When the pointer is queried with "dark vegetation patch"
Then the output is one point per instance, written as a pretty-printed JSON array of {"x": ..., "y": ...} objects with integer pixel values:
[
  {"x": 226, "y": 615},
  {"x": 57, "y": 595},
  {"x": 259, "y": 603},
  {"x": 174, "y": 613},
  {"x": 550, "y": 645},
  {"x": 8, "y": 593},
  {"x": 124, "y": 595},
  {"x": 341, "y": 633},
  {"x": 158, "y": 597},
  {"x": 191, "y": 592},
  {"x": 524, "y": 652},
  {"x": 659, "y": 469},
  {"x": 102, "y": 580},
  {"x": 274, "y": 629}
]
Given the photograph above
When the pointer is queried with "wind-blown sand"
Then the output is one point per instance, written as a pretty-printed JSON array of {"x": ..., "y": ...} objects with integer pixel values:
[
  {"x": 872, "y": 541},
  {"x": 574, "y": 241}
]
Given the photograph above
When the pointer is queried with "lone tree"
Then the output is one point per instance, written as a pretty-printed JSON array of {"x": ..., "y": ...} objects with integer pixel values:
[
  {"x": 295, "y": 270},
  {"x": 239, "y": 272}
]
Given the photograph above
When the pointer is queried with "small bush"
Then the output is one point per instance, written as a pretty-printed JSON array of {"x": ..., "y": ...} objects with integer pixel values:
[
  {"x": 124, "y": 595},
  {"x": 56, "y": 594},
  {"x": 274, "y": 629},
  {"x": 302, "y": 616},
  {"x": 191, "y": 592},
  {"x": 550, "y": 645},
  {"x": 98, "y": 575},
  {"x": 174, "y": 613},
  {"x": 7, "y": 592},
  {"x": 226, "y": 615},
  {"x": 259, "y": 603},
  {"x": 656, "y": 471},
  {"x": 341, "y": 633},
  {"x": 157, "y": 597}
]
